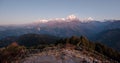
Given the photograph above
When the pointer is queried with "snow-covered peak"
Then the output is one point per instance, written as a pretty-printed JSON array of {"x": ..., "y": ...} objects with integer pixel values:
[
  {"x": 57, "y": 19},
  {"x": 86, "y": 20},
  {"x": 71, "y": 17},
  {"x": 43, "y": 21},
  {"x": 90, "y": 19}
]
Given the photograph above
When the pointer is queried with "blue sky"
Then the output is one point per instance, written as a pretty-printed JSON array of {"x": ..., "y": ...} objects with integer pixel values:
[{"x": 27, "y": 11}]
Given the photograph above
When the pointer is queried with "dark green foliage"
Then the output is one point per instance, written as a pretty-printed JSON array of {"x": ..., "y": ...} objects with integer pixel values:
[
  {"x": 91, "y": 46},
  {"x": 84, "y": 41},
  {"x": 109, "y": 52},
  {"x": 11, "y": 53},
  {"x": 99, "y": 47},
  {"x": 73, "y": 40}
]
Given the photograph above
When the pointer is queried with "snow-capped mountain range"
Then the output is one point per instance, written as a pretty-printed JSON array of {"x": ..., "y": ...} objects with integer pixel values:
[{"x": 67, "y": 19}]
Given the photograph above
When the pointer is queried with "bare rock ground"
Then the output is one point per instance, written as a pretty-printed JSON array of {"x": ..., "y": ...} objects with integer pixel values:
[{"x": 60, "y": 56}]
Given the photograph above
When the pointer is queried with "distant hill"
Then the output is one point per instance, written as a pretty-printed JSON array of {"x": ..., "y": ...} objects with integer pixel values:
[
  {"x": 110, "y": 38},
  {"x": 36, "y": 39},
  {"x": 29, "y": 40},
  {"x": 7, "y": 40}
]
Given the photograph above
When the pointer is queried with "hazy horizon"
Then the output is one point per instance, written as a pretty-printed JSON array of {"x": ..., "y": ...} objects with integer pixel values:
[{"x": 28, "y": 11}]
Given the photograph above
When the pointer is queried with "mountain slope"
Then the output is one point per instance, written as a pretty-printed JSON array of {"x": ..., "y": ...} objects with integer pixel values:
[
  {"x": 60, "y": 28},
  {"x": 110, "y": 38}
]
